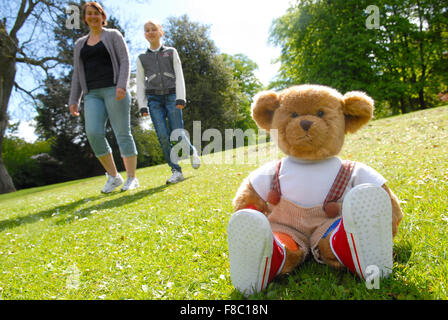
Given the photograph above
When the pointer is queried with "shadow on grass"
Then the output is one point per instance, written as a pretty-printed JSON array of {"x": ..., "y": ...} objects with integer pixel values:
[
  {"x": 312, "y": 281},
  {"x": 68, "y": 209},
  {"x": 114, "y": 203},
  {"x": 35, "y": 217}
]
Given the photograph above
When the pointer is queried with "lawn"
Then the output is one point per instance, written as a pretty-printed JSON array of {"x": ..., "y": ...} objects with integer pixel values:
[{"x": 69, "y": 241}]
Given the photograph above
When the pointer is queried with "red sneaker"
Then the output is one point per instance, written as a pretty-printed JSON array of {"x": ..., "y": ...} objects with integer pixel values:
[
  {"x": 255, "y": 255},
  {"x": 363, "y": 238}
]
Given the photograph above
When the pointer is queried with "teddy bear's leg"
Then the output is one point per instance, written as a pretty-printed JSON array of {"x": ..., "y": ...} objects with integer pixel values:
[
  {"x": 294, "y": 254},
  {"x": 256, "y": 256},
  {"x": 363, "y": 238},
  {"x": 327, "y": 254}
]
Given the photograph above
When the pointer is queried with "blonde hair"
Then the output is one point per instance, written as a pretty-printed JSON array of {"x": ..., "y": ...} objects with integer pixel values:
[{"x": 155, "y": 23}]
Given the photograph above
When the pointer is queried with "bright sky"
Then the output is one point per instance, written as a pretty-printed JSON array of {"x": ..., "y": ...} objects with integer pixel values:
[{"x": 236, "y": 26}]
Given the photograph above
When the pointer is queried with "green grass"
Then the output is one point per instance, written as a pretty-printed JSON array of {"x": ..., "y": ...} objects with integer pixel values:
[{"x": 169, "y": 242}]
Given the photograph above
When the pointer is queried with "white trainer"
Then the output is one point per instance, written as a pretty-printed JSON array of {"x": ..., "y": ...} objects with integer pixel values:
[
  {"x": 195, "y": 159},
  {"x": 250, "y": 243},
  {"x": 367, "y": 216},
  {"x": 112, "y": 183},
  {"x": 175, "y": 178},
  {"x": 131, "y": 183}
]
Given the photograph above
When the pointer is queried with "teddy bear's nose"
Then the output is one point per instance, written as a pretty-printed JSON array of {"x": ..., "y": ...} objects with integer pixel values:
[{"x": 305, "y": 124}]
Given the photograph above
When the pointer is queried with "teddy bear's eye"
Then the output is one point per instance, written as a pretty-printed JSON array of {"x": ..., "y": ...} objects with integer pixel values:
[
  {"x": 320, "y": 114},
  {"x": 294, "y": 115}
]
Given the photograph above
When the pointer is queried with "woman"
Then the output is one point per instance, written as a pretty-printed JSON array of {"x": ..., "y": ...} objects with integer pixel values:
[{"x": 101, "y": 73}]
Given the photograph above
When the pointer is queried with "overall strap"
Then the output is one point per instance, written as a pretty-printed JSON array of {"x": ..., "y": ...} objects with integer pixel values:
[
  {"x": 275, "y": 192},
  {"x": 341, "y": 182}
]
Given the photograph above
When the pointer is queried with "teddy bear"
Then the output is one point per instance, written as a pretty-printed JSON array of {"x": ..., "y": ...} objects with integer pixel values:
[{"x": 311, "y": 202}]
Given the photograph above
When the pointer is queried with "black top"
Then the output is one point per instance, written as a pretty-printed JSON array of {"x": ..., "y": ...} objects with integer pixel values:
[{"x": 97, "y": 66}]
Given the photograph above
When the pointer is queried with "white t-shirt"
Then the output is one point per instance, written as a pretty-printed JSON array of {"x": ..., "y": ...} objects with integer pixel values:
[{"x": 307, "y": 183}]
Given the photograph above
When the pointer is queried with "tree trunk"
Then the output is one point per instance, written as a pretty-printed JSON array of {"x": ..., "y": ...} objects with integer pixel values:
[
  {"x": 7, "y": 76},
  {"x": 402, "y": 106}
]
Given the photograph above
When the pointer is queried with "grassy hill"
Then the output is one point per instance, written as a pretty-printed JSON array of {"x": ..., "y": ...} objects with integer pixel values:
[{"x": 69, "y": 241}]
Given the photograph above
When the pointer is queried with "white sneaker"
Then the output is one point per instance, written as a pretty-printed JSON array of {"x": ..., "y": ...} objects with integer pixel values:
[
  {"x": 176, "y": 177},
  {"x": 251, "y": 246},
  {"x": 112, "y": 183},
  {"x": 367, "y": 216},
  {"x": 131, "y": 183},
  {"x": 195, "y": 160}
]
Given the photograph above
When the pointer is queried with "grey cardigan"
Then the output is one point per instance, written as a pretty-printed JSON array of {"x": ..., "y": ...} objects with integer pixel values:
[{"x": 119, "y": 55}]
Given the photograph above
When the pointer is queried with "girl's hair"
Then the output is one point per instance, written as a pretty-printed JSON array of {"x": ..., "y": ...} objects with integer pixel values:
[
  {"x": 156, "y": 23},
  {"x": 97, "y": 7}
]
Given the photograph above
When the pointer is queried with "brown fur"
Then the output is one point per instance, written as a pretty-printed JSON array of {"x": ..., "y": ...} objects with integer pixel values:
[
  {"x": 327, "y": 254},
  {"x": 325, "y": 137},
  {"x": 397, "y": 214},
  {"x": 246, "y": 195},
  {"x": 293, "y": 259},
  {"x": 311, "y": 121}
]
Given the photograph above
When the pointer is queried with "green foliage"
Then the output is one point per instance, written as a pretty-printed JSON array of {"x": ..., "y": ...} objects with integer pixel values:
[
  {"x": 25, "y": 167},
  {"x": 148, "y": 146},
  {"x": 244, "y": 73},
  {"x": 398, "y": 64}
]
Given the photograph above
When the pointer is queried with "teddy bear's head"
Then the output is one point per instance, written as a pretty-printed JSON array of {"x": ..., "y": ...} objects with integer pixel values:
[{"x": 311, "y": 120}]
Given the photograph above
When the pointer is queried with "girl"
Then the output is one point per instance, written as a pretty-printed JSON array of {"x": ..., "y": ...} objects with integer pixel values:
[
  {"x": 161, "y": 93},
  {"x": 101, "y": 73}
]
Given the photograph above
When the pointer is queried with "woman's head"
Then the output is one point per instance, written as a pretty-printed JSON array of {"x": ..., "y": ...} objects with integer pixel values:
[
  {"x": 153, "y": 30},
  {"x": 93, "y": 14}
]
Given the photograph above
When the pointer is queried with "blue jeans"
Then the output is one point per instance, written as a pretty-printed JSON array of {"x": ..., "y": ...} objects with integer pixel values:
[
  {"x": 162, "y": 107},
  {"x": 100, "y": 105}
]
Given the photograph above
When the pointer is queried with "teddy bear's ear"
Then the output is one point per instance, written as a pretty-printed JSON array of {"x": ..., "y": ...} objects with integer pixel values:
[
  {"x": 263, "y": 108},
  {"x": 358, "y": 110}
]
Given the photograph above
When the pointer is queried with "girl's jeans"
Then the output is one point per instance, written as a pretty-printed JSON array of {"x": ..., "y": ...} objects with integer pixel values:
[
  {"x": 162, "y": 107},
  {"x": 100, "y": 105}
]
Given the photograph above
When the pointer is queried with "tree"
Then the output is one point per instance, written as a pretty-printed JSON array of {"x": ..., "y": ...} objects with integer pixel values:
[
  {"x": 325, "y": 42},
  {"x": 32, "y": 14},
  {"x": 213, "y": 96},
  {"x": 410, "y": 48},
  {"x": 397, "y": 62},
  {"x": 29, "y": 164},
  {"x": 244, "y": 74}
]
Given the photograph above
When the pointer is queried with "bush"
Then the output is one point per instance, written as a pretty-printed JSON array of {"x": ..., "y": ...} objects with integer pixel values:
[{"x": 28, "y": 164}]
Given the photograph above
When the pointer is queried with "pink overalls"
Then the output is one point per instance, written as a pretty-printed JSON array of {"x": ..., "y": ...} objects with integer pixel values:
[{"x": 307, "y": 225}]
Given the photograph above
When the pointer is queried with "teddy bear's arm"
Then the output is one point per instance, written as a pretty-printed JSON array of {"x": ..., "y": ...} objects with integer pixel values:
[
  {"x": 397, "y": 214},
  {"x": 247, "y": 196}
]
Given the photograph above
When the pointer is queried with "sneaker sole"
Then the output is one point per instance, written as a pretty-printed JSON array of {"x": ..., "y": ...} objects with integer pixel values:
[
  {"x": 177, "y": 181},
  {"x": 174, "y": 182},
  {"x": 367, "y": 215},
  {"x": 250, "y": 242}
]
